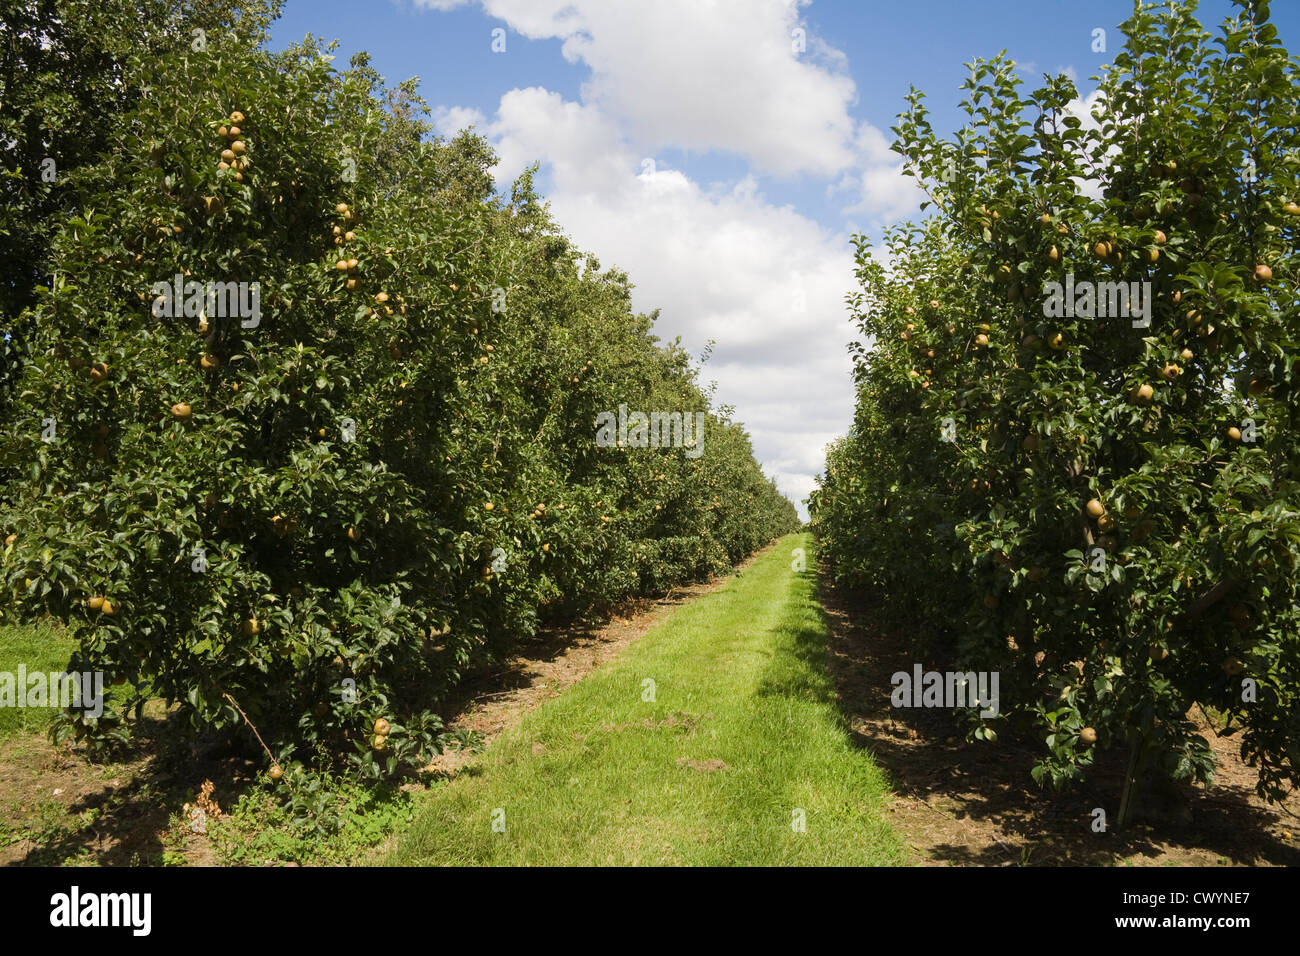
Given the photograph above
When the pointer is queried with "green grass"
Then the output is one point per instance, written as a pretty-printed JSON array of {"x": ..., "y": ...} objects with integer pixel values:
[
  {"x": 40, "y": 647},
  {"x": 593, "y": 776}
]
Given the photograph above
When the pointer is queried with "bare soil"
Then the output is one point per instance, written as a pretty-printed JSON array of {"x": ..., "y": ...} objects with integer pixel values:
[{"x": 960, "y": 804}]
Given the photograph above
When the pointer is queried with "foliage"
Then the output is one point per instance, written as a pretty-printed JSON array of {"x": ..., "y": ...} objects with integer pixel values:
[
  {"x": 1184, "y": 590},
  {"x": 300, "y": 523}
]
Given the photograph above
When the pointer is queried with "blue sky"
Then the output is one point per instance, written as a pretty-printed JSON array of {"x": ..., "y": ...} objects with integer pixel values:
[{"x": 765, "y": 159}]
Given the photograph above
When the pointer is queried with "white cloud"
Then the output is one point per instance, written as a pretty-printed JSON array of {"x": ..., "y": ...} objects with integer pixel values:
[
  {"x": 703, "y": 75},
  {"x": 1082, "y": 110},
  {"x": 765, "y": 282},
  {"x": 450, "y": 120}
]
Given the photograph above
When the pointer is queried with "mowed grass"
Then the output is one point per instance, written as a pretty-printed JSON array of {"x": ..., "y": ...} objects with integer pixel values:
[
  {"x": 603, "y": 776},
  {"x": 42, "y": 648}
]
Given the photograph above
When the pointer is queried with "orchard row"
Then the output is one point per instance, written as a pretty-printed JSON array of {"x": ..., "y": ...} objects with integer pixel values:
[
  {"x": 305, "y": 515},
  {"x": 1103, "y": 508}
]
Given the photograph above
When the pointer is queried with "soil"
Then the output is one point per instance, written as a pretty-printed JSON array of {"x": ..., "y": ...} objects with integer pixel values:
[
  {"x": 59, "y": 807},
  {"x": 960, "y": 803}
]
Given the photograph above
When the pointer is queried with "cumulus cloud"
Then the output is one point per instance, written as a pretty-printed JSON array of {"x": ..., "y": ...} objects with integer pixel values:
[
  {"x": 763, "y": 281},
  {"x": 1082, "y": 110},
  {"x": 721, "y": 261},
  {"x": 704, "y": 75}
]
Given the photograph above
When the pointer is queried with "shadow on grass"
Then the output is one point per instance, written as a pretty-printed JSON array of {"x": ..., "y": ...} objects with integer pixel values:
[{"x": 798, "y": 666}]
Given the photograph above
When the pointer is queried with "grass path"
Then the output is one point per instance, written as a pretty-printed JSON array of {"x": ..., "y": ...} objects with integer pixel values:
[{"x": 705, "y": 743}]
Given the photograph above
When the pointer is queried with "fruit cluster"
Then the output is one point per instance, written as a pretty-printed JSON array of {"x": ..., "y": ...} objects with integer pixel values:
[{"x": 234, "y": 155}]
